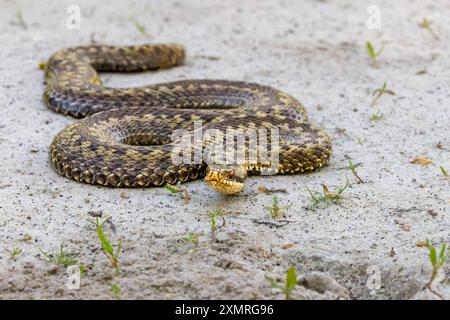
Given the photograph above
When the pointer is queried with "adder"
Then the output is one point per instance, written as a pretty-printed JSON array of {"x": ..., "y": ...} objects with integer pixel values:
[{"x": 124, "y": 138}]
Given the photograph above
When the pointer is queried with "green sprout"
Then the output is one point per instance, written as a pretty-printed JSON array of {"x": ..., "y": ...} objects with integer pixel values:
[
  {"x": 276, "y": 210},
  {"x": 107, "y": 247},
  {"x": 116, "y": 290},
  {"x": 444, "y": 171},
  {"x": 177, "y": 189},
  {"x": 192, "y": 238},
  {"x": 372, "y": 53},
  {"x": 20, "y": 20},
  {"x": 140, "y": 27},
  {"x": 376, "y": 116},
  {"x": 61, "y": 258},
  {"x": 81, "y": 268},
  {"x": 14, "y": 253},
  {"x": 437, "y": 261},
  {"x": 353, "y": 169},
  {"x": 214, "y": 214},
  {"x": 360, "y": 140},
  {"x": 425, "y": 23},
  {"x": 380, "y": 91},
  {"x": 289, "y": 285},
  {"x": 328, "y": 197}
]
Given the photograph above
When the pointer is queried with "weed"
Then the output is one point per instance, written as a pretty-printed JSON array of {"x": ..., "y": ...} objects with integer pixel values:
[
  {"x": 425, "y": 23},
  {"x": 14, "y": 253},
  {"x": 20, "y": 20},
  {"x": 289, "y": 285},
  {"x": 437, "y": 261},
  {"x": 177, "y": 189},
  {"x": 328, "y": 197},
  {"x": 360, "y": 140},
  {"x": 81, "y": 268},
  {"x": 107, "y": 247},
  {"x": 276, "y": 210},
  {"x": 192, "y": 238},
  {"x": 140, "y": 27},
  {"x": 214, "y": 214},
  {"x": 377, "y": 93},
  {"x": 376, "y": 116},
  {"x": 372, "y": 53},
  {"x": 61, "y": 258},
  {"x": 353, "y": 169},
  {"x": 116, "y": 290}
]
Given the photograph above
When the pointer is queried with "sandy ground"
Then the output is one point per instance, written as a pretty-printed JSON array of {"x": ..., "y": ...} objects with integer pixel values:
[{"x": 314, "y": 50}]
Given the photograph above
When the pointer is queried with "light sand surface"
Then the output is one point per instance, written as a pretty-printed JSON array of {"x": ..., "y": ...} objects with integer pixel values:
[{"x": 313, "y": 50}]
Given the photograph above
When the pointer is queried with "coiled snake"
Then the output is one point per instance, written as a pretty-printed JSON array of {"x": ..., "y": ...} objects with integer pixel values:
[{"x": 124, "y": 139}]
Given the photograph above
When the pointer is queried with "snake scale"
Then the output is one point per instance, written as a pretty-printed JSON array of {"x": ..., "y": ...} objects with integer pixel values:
[{"x": 124, "y": 138}]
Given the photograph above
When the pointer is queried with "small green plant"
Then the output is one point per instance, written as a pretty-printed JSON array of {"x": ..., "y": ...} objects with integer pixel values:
[
  {"x": 360, "y": 140},
  {"x": 14, "y": 253},
  {"x": 81, "y": 268},
  {"x": 353, "y": 169},
  {"x": 328, "y": 197},
  {"x": 140, "y": 27},
  {"x": 20, "y": 20},
  {"x": 444, "y": 171},
  {"x": 425, "y": 23},
  {"x": 172, "y": 188},
  {"x": 376, "y": 116},
  {"x": 372, "y": 53},
  {"x": 178, "y": 189},
  {"x": 213, "y": 215},
  {"x": 107, "y": 247},
  {"x": 61, "y": 258},
  {"x": 437, "y": 261},
  {"x": 116, "y": 290},
  {"x": 276, "y": 210},
  {"x": 289, "y": 285},
  {"x": 377, "y": 93},
  {"x": 192, "y": 238}
]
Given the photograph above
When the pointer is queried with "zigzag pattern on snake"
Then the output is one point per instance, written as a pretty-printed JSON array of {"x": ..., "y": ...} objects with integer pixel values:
[{"x": 124, "y": 138}]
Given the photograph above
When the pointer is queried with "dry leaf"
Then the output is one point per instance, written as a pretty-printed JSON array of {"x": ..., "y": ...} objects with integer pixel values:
[
  {"x": 288, "y": 245},
  {"x": 421, "y": 244},
  {"x": 422, "y": 161},
  {"x": 326, "y": 191}
]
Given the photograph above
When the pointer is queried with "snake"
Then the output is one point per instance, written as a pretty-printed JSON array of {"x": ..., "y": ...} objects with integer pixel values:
[{"x": 123, "y": 137}]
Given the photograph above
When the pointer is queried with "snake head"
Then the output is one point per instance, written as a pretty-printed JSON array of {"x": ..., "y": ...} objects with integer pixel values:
[{"x": 226, "y": 179}]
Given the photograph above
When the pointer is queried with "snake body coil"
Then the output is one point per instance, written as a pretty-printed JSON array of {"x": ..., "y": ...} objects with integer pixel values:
[{"x": 124, "y": 139}]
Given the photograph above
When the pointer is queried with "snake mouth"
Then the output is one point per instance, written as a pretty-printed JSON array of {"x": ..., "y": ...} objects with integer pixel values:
[{"x": 224, "y": 181}]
